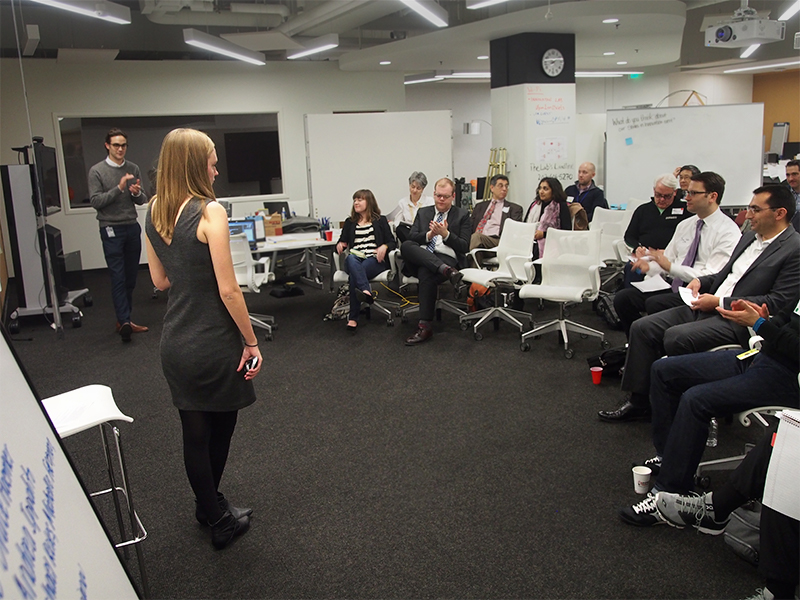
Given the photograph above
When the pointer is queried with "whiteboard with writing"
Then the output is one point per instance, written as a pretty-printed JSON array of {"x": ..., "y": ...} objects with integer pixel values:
[
  {"x": 52, "y": 544},
  {"x": 376, "y": 151},
  {"x": 644, "y": 143}
]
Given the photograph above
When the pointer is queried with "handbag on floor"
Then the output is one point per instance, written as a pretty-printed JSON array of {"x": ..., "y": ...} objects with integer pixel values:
[
  {"x": 612, "y": 360},
  {"x": 743, "y": 530}
]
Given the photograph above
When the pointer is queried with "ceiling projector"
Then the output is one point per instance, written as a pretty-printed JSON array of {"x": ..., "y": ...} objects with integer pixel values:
[{"x": 739, "y": 34}]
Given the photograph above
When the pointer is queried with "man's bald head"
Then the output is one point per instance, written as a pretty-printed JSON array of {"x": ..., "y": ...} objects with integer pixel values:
[{"x": 586, "y": 173}]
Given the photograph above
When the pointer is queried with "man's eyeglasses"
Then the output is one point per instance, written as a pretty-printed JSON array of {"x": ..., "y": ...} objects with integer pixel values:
[
  {"x": 118, "y": 146},
  {"x": 693, "y": 193},
  {"x": 442, "y": 196},
  {"x": 757, "y": 209},
  {"x": 658, "y": 196}
]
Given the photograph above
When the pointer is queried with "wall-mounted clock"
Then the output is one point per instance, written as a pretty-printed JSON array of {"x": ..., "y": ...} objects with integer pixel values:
[{"x": 553, "y": 62}]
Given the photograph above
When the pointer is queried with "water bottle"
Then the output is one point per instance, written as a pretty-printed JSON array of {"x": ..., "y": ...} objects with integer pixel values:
[{"x": 713, "y": 430}]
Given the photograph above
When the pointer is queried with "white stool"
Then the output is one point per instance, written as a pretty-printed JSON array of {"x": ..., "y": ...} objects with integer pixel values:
[{"x": 84, "y": 408}]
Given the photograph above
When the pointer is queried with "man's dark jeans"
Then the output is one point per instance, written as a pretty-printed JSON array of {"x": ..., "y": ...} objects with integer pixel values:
[{"x": 122, "y": 254}]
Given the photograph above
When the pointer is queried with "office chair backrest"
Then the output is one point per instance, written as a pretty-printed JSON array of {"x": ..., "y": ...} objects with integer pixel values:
[
  {"x": 516, "y": 240},
  {"x": 570, "y": 258},
  {"x": 612, "y": 225}
]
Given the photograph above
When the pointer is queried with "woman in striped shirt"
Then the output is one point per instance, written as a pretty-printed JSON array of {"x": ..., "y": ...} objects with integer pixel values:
[{"x": 368, "y": 237}]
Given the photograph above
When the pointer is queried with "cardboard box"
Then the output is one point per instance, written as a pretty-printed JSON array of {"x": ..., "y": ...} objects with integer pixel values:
[{"x": 273, "y": 225}]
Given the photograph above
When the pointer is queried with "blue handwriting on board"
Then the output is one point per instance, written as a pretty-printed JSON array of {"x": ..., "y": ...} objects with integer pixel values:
[
  {"x": 83, "y": 587},
  {"x": 49, "y": 512},
  {"x": 6, "y": 471},
  {"x": 26, "y": 578}
]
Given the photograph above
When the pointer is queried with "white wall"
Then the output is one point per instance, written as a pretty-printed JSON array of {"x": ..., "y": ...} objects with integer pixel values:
[
  {"x": 718, "y": 89},
  {"x": 191, "y": 87},
  {"x": 469, "y": 102}
]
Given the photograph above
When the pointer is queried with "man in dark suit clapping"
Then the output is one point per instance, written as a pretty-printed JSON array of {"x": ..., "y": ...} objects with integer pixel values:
[{"x": 436, "y": 247}]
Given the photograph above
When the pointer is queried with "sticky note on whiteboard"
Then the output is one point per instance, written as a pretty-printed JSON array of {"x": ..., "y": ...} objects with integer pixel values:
[{"x": 629, "y": 141}]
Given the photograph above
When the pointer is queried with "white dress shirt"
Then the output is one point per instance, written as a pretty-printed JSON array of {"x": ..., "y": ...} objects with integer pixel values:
[
  {"x": 742, "y": 264},
  {"x": 406, "y": 211},
  {"x": 718, "y": 238},
  {"x": 492, "y": 226}
]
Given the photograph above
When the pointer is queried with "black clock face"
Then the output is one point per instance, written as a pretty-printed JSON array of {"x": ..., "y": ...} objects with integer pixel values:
[{"x": 553, "y": 62}]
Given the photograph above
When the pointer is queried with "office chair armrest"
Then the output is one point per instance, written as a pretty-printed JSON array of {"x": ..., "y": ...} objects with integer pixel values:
[
  {"x": 475, "y": 251},
  {"x": 622, "y": 250},
  {"x": 517, "y": 266},
  {"x": 755, "y": 342}
]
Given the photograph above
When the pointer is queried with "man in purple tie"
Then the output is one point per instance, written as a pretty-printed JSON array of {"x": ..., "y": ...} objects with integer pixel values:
[{"x": 701, "y": 245}]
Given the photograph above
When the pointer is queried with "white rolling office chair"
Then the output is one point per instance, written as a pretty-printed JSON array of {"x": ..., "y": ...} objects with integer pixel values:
[
  {"x": 340, "y": 276},
  {"x": 251, "y": 274},
  {"x": 570, "y": 273},
  {"x": 82, "y": 409},
  {"x": 612, "y": 224},
  {"x": 513, "y": 251}
]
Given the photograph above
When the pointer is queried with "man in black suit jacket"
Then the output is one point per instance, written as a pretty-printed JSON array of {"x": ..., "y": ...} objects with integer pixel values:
[
  {"x": 764, "y": 269},
  {"x": 435, "y": 248},
  {"x": 486, "y": 233}
]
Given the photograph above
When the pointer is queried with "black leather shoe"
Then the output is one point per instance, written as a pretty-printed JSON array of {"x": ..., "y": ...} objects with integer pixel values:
[
  {"x": 420, "y": 335},
  {"x": 626, "y": 412},
  {"x": 454, "y": 275},
  {"x": 125, "y": 331},
  {"x": 237, "y": 512},
  {"x": 368, "y": 298},
  {"x": 227, "y": 528}
]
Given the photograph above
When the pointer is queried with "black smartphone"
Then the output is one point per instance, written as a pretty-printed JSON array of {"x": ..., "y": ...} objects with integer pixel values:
[{"x": 251, "y": 363}]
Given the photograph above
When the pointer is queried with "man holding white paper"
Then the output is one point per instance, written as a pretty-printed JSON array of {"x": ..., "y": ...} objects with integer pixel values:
[{"x": 701, "y": 245}]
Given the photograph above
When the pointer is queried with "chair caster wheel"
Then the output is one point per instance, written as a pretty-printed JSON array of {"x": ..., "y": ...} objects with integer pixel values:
[
  {"x": 463, "y": 326},
  {"x": 274, "y": 326},
  {"x": 703, "y": 482},
  {"x": 390, "y": 322},
  {"x": 569, "y": 353},
  {"x": 76, "y": 321},
  {"x": 605, "y": 344},
  {"x": 13, "y": 326},
  {"x": 404, "y": 319},
  {"x": 478, "y": 336},
  {"x": 525, "y": 346},
  {"x": 268, "y": 337},
  {"x": 88, "y": 300}
]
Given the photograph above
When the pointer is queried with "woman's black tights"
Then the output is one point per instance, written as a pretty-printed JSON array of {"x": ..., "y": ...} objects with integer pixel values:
[{"x": 206, "y": 441}]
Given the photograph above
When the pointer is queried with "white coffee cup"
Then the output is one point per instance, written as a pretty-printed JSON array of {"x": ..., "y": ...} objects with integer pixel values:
[{"x": 641, "y": 479}]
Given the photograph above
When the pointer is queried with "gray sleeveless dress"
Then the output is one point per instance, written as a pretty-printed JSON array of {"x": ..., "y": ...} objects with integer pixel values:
[{"x": 200, "y": 343}]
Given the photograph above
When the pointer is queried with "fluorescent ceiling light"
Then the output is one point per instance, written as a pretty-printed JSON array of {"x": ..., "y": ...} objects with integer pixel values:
[
  {"x": 385, "y": 62},
  {"x": 467, "y": 75},
  {"x": 773, "y": 66},
  {"x": 224, "y": 47},
  {"x": 606, "y": 73},
  {"x": 609, "y": 53},
  {"x": 611, "y": 20},
  {"x": 100, "y": 9},
  {"x": 790, "y": 12},
  {"x": 428, "y": 9},
  {"x": 475, "y": 4},
  {"x": 422, "y": 78},
  {"x": 622, "y": 62},
  {"x": 317, "y": 45},
  {"x": 748, "y": 51},
  {"x": 483, "y": 57}
]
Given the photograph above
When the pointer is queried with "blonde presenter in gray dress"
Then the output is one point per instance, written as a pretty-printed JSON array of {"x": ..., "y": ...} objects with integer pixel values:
[{"x": 207, "y": 337}]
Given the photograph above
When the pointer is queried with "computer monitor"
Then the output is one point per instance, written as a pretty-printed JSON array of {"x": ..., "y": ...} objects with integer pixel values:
[
  {"x": 261, "y": 234},
  {"x": 278, "y": 207},
  {"x": 245, "y": 226}
]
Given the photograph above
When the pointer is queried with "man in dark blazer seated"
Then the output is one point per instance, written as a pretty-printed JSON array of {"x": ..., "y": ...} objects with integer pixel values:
[
  {"x": 764, "y": 268},
  {"x": 489, "y": 216},
  {"x": 435, "y": 248}
]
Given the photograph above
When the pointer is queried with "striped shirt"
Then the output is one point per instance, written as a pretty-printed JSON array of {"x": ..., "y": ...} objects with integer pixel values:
[{"x": 364, "y": 241}]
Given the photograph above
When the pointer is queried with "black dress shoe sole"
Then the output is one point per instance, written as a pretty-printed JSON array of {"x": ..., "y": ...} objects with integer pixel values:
[
  {"x": 125, "y": 332},
  {"x": 628, "y": 417}
]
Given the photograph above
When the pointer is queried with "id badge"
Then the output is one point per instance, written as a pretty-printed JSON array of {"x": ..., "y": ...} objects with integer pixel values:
[{"x": 110, "y": 231}]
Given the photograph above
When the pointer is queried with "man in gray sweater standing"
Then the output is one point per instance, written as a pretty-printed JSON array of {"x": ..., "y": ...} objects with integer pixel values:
[{"x": 115, "y": 188}]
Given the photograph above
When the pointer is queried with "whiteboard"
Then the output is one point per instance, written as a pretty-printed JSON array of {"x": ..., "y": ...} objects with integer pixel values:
[
  {"x": 376, "y": 151},
  {"x": 644, "y": 143},
  {"x": 52, "y": 544}
]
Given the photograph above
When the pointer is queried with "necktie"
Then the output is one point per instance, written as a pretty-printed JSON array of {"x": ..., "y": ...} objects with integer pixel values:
[
  {"x": 691, "y": 254},
  {"x": 432, "y": 244},
  {"x": 486, "y": 216}
]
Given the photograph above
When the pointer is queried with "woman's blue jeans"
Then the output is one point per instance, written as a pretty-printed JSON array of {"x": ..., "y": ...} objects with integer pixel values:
[{"x": 361, "y": 270}]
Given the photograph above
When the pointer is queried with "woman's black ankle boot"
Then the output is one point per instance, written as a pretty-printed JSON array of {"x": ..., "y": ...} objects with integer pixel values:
[
  {"x": 227, "y": 528},
  {"x": 224, "y": 505}
]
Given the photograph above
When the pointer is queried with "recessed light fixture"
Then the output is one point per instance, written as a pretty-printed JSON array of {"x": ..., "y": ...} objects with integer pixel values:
[
  {"x": 749, "y": 50},
  {"x": 609, "y": 53},
  {"x": 317, "y": 45},
  {"x": 483, "y": 57},
  {"x": 108, "y": 11},
  {"x": 622, "y": 62},
  {"x": 773, "y": 66},
  {"x": 611, "y": 20},
  {"x": 386, "y": 62},
  {"x": 214, "y": 44}
]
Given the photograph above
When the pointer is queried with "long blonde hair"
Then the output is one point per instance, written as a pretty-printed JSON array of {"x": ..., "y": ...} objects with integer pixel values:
[{"x": 182, "y": 172}]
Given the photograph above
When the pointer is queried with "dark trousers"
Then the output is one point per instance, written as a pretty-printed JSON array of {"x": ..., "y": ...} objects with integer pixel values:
[
  {"x": 672, "y": 332},
  {"x": 631, "y": 302},
  {"x": 122, "y": 252},
  {"x": 686, "y": 391},
  {"x": 426, "y": 266},
  {"x": 401, "y": 231},
  {"x": 361, "y": 270},
  {"x": 779, "y": 551}
]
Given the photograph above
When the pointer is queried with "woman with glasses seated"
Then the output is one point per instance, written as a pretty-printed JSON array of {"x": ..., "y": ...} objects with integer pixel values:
[
  {"x": 368, "y": 237},
  {"x": 406, "y": 211},
  {"x": 549, "y": 209}
]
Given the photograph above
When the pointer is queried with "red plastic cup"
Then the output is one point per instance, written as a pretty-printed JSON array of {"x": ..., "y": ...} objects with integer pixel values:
[
  {"x": 329, "y": 235},
  {"x": 597, "y": 374}
]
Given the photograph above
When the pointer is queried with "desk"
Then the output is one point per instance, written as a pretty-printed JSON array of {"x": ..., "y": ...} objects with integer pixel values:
[{"x": 307, "y": 243}]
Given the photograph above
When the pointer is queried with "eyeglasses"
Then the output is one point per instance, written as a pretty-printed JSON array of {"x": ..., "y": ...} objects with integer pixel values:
[
  {"x": 757, "y": 209},
  {"x": 693, "y": 193},
  {"x": 443, "y": 196},
  {"x": 658, "y": 196},
  {"x": 118, "y": 146}
]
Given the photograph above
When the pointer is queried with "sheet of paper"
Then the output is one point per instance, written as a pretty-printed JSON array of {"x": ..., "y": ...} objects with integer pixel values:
[
  {"x": 782, "y": 489},
  {"x": 651, "y": 284},
  {"x": 686, "y": 295}
]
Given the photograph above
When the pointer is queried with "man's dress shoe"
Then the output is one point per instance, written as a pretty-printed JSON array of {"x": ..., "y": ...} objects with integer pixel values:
[
  {"x": 420, "y": 335},
  {"x": 626, "y": 412},
  {"x": 134, "y": 327}
]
